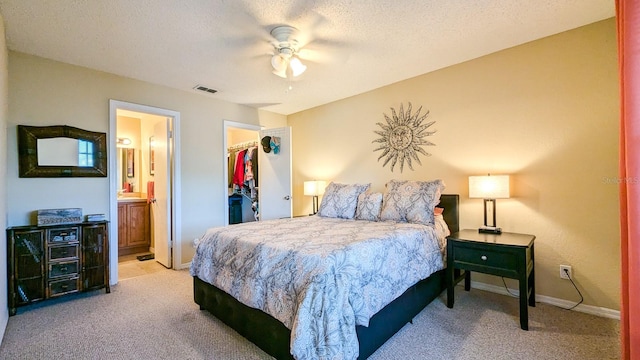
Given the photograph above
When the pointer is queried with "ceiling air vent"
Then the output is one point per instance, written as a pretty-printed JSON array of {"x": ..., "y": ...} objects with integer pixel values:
[{"x": 205, "y": 89}]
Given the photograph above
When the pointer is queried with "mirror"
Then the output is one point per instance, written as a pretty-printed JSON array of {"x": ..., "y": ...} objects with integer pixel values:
[
  {"x": 61, "y": 151},
  {"x": 128, "y": 174},
  {"x": 152, "y": 156},
  {"x": 130, "y": 163}
]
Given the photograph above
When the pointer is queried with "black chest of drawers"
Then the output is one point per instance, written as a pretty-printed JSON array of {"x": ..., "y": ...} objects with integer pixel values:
[{"x": 45, "y": 262}]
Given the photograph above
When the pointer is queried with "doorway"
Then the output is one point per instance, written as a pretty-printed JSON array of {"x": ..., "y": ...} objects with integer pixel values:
[
  {"x": 274, "y": 168},
  {"x": 243, "y": 205},
  {"x": 143, "y": 172}
]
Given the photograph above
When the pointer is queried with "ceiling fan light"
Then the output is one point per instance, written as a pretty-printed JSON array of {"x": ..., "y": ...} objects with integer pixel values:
[
  {"x": 282, "y": 73},
  {"x": 297, "y": 67},
  {"x": 279, "y": 63}
]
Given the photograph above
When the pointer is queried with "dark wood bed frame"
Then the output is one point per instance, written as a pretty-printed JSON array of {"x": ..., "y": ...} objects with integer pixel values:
[{"x": 274, "y": 338}]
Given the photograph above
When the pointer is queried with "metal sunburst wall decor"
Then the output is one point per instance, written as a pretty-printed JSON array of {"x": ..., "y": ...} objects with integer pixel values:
[{"x": 402, "y": 137}]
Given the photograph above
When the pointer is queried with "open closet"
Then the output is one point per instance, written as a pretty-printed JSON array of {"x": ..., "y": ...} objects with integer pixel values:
[{"x": 242, "y": 175}]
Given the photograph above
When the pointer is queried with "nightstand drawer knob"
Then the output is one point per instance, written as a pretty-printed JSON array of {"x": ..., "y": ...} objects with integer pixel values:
[{"x": 483, "y": 257}]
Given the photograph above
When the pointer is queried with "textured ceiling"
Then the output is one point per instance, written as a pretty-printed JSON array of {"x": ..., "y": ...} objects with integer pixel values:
[{"x": 355, "y": 45}]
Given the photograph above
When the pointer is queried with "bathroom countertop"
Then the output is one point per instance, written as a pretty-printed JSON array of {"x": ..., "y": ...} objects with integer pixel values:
[{"x": 132, "y": 198}]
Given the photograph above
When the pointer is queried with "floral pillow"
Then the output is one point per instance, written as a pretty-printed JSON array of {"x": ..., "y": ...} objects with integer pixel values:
[
  {"x": 341, "y": 200},
  {"x": 411, "y": 201},
  {"x": 369, "y": 206}
]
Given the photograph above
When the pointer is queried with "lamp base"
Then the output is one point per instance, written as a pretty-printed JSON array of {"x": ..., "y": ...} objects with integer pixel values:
[{"x": 490, "y": 230}]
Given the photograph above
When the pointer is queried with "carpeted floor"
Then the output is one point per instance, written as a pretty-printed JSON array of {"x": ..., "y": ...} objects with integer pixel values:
[{"x": 154, "y": 317}]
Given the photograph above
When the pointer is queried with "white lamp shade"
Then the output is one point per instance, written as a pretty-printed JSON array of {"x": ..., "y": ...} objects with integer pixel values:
[
  {"x": 280, "y": 64},
  {"x": 282, "y": 74},
  {"x": 489, "y": 187},
  {"x": 314, "y": 188},
  {"x": 297, "y": 67}
]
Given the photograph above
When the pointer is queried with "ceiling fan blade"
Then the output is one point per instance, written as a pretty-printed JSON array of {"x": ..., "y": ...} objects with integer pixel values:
[
  {"x": 252, "y": 37},
  {"x": 307, "y": 19},
  {"x": 315, "y": 56},
  {"x": 326, "y": 54},
  {"x": 262, "y": 55}
]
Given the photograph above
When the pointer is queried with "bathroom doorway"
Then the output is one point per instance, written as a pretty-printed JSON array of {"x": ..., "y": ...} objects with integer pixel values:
[{"x": 143, "y": 180}]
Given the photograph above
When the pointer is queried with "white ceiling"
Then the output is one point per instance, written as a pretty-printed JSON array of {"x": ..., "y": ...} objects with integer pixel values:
[{"x": 357, "y": 45}]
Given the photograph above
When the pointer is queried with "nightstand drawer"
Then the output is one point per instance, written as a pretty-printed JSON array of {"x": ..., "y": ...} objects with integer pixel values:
[{"x": 485, "y": 258}]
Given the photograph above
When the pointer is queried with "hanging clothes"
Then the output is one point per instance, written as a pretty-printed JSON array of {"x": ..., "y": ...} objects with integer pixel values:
[
  {"x": 231, "y": 169},
  {"x": 243, "y": 174},
  {"x": 238, "y": 177},
  {"x": 254, "y": 164},
  {"x": 248, "y": 164},
  {"x": 250, "y": 181}
]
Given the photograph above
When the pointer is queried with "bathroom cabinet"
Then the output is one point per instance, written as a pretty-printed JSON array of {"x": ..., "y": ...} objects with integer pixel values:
[{"x": 134, "y": 227}]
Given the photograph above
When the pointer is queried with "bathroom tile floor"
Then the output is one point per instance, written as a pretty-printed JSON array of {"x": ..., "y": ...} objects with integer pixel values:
[{"x": 130, "y": 267}]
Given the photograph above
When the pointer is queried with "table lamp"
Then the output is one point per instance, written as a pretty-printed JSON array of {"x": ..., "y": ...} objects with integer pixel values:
[
  {"x": 314, "y": 188},
  {"x": 489, "y": 188}
]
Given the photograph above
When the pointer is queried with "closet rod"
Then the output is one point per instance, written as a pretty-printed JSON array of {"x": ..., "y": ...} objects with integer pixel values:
[{"x": 246, "y": 144}]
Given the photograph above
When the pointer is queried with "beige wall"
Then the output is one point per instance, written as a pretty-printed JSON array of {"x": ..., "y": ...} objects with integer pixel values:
[
  {"x": 237, "y": 136},
  {"x": 4, "y": 306},
  {"x": 545, "y": 112},
  {"x": 44, "y": 92}
]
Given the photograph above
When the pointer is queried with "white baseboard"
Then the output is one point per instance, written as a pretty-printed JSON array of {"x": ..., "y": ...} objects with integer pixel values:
[
  {"x": 566, "y": 304},
  {"x": 183, "y": 266},
  {"x": 4, "y": 320}
]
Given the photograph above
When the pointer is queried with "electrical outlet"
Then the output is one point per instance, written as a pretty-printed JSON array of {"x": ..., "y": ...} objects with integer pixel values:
[{"x": 565, "y": 272}]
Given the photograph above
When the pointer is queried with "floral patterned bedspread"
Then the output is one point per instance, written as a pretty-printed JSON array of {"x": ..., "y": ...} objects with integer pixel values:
[{"x": 319, "y": 276}]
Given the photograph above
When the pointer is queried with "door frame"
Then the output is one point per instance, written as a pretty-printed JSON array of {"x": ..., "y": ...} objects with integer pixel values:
[
  {"x": 228, "y": 124},
  {"x": 174, "y": 170}
]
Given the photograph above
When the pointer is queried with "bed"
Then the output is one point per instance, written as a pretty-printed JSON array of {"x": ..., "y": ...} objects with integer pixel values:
[{"x": 370, "y": 325}]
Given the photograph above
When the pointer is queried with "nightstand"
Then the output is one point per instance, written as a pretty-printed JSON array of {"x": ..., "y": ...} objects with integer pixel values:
[{"x": 508, "y": 255}]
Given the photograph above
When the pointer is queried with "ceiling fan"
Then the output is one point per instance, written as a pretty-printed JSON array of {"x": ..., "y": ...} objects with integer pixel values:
[{"x": 286, "y": 61}]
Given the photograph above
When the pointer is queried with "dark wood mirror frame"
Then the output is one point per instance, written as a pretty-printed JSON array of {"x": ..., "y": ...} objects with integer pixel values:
[{"x": 28, "y": 152}]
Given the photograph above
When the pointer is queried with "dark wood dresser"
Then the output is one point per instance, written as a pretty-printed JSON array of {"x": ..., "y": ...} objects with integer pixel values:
[{"x": 45, "y": 262}]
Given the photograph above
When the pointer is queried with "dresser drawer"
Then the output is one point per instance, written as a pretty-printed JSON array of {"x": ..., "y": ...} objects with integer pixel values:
[
  {"x": 62, "y": 252},
  {"x": 61, "y": 287},
  {"x": 66, "y": 268},
  {"x": 63, "y": 235},
  {"x": 490, "y": 258}
]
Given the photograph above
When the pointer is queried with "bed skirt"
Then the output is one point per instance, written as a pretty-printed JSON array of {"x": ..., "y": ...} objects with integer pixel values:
[{"x": 273, "y": 337}]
